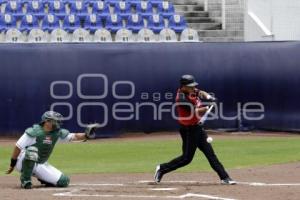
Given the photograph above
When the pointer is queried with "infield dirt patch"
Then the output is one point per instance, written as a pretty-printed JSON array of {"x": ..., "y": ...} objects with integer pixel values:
[{"x": 272, "y": 182}]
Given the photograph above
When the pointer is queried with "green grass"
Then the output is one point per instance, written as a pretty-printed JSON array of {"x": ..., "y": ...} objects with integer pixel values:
[{"x": 142, "y": 156}]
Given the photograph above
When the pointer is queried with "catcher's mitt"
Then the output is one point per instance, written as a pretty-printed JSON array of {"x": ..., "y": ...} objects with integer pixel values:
[{"x": 90, "y": 131}]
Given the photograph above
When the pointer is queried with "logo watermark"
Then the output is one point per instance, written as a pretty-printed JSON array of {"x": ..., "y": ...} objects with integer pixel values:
[{"x": 130, "y": 106}]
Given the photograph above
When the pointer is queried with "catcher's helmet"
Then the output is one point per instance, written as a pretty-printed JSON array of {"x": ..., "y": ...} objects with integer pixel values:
[
  {"x": 188, "y": 80},
  {"x": 52, "y": 115}
]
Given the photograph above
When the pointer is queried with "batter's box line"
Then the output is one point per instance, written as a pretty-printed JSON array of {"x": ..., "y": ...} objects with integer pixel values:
[
  {"x": 97, "y": 184},
  {"x": 81, "y": 186},
  {"x": 268, "y": 184},
  {"x": 188, "y": 195},
  {"x": 239, "y": 183}
]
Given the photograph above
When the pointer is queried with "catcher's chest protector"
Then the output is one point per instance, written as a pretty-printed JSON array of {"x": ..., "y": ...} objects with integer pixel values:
[{"x": 45, "y": 142}]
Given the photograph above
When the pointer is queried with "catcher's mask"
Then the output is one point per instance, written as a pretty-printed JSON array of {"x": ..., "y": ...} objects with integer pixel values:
[{"x": 54, "y": 117}]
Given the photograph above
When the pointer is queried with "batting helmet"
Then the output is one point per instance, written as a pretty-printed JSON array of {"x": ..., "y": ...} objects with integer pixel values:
[{"x": 188, "y": 80}]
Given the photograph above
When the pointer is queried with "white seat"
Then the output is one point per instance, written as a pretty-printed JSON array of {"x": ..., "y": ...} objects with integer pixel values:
[
  {"x": 124, "y": 35},
  {"x": 2, "y": 36},
  {"x": 189, "y": 35},
  {"x": 146, "y": 35},
  {"x": 37, "y": 36},
  {"x": 102, "y": 35},
  {"x": 14, "y": 36},
  {"x": 59, "y": 36},
  {"x": 81, "y": 35},
  {"x": 167, "y": 35}
]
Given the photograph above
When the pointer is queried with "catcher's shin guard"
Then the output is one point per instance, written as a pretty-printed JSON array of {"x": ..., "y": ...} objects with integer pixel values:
[{"x": 31, "y": 157}]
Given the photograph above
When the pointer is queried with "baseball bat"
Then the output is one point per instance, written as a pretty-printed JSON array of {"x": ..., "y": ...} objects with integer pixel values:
[{"x": 204, "y": 117}]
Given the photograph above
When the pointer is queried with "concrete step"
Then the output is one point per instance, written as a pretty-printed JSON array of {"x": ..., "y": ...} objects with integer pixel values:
[
  {"x": 185, "y": 2},
  {"x": 198, "y": 20},
  {"x": 216, "y": 13},
  {"x": 194, "y": 14},
  {"x": 205, "y": 26},
  {"x": 214, "y": 7},
  {"x": 191, "y": 8},
  {"x": 221, "y": 39},
  {"x": 220, "y": 33}
]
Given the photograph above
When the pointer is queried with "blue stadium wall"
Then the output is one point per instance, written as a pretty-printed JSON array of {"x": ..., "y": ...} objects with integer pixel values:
[{"x": 86, "y": 81}]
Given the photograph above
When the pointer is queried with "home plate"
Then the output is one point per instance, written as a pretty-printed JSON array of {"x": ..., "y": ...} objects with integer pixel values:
[{"x": 162, "y": 189}]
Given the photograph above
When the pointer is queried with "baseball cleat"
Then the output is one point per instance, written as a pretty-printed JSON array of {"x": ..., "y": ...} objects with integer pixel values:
[
  {"x": 26, "y": 185},
  {"x": 228, "y": 181},
  {"x": 158, "y": 174}
]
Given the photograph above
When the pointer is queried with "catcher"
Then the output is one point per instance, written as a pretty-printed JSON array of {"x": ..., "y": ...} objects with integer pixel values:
[{"x": 35, "y": 146}]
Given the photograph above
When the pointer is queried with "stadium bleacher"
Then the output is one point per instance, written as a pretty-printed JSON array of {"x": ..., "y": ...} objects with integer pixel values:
[{"x": 132, "y": 18}]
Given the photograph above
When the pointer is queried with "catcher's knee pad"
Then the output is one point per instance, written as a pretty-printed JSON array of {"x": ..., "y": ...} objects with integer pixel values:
[
  {"x": 63, "y": 181},
  {"x": 31, "y": 153}
]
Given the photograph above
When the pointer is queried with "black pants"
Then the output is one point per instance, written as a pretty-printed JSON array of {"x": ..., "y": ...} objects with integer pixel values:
[{"x": 194, "y": 137}]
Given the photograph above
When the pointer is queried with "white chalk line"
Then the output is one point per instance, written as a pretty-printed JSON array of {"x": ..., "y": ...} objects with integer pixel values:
[
  {"x": 268, "y": 184},
  {"x": 240, "y": 183},
  {"x": 80, "y": 184},
  {"x": 71, "y": 194},
  {"x": 75, "y": 192},
  {"x": 148, "y": 181},
  {"x": 97, "y": 184},
  {"x": 162, "y": 189}
]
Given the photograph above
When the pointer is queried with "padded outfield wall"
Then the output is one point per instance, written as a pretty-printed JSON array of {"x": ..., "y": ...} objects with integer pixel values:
[{"x": 131, "y": 87}]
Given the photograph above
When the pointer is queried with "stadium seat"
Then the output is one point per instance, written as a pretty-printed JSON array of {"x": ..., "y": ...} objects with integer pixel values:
[
  {"x": 156, "y": 23},
  {"x": 80, "y": 35},
  {"x": 114, "y": 23},
  {"x": 28, "y": 22},
  {"x": 123, "y": 9},
  {"x": 155, "y": 2},
  {"x": 57, "y": 8},
  {"x": 167, "y": 35},
  {"x": 71, "y": 22},
  {"x": 7, "y": 22},
  {"x": 36, "y": 8},
  {"x": 2, "y": 36},
  {"x": 79, "y": 9},
  {"x": 50, "y": 22},
  {"x": 146, "y": 35},
  {"x": 101, "y": 8},
  {"x": 166, "y": 9},
  {"x": 102, "y": 35},
  {"x": 59, "y": 36},
  {"x": 14, "y": 36},
  {"x": 3, "y": 2},
  {"x": 2, "y": 6},
  {"x": 1, "y": 28},
  {"x": 90, "y": 2},
  {"x": 14, "y": 8},
  {"x": 37, "y": 36},
  {"x": 92, "y": 23},
  {"x": 124, "y": 35},
  {"x": 189, "y": 35},
  {"x": 135, "y": 23},
  {"x": 177, "y": 23},
  {"x": 24, "y": 2},
  {"x": 144, "y": 8},
  {"x": 112, "y": 2},
  {"x": 133, "y": 3}
]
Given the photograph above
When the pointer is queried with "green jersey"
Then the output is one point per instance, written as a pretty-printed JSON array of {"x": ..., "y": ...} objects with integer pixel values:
[{"x": 45, "y": 141}]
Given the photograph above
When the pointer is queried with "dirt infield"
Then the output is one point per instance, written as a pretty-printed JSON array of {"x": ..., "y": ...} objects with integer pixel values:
[{"x": 273, "y": 182}]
